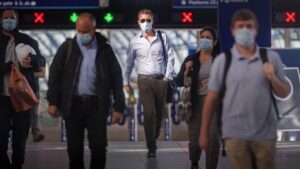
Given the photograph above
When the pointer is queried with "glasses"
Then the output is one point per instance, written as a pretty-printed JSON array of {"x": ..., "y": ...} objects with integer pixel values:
[{"x": 145, "y": 20}]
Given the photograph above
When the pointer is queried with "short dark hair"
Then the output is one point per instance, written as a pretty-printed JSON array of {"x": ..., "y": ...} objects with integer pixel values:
[
  {"x": 16, "y": 13},
  {"x": 145, "y": 11},
  {"x": 244, "y": 15},
  {"x": 211, "y": 30}
]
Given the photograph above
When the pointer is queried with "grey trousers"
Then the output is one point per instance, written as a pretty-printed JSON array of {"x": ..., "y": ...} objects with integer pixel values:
[
  {"x": 212, "y": 155},
  {"x": 35, "y": 117},
  {"x": 153, "y": 94}
]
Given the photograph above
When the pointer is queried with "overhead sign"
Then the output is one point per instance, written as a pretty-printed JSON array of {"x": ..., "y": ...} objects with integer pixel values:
[
  {"x": 195, "y": 4},
  {"x": 55, "y": 4}
]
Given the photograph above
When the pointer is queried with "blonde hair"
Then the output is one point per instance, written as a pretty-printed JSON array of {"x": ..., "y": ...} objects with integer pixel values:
[{"x": 145, "y": 11}]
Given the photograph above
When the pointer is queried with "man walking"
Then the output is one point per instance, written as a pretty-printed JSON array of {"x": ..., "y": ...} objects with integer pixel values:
[
  {"x": 248, "y": 114},
  {"x": 83, "y": 75},
  {"x": 154, "y": 71}
]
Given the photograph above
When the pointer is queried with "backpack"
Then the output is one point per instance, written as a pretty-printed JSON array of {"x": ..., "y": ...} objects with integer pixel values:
[{"x": 228, "y": 56}]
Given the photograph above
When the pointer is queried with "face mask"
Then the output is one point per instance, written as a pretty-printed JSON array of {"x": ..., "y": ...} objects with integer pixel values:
[
  {"x": 205, "y": 44},
  {"x": 244, "y": 37},
  {"x": 146, "y": 27},
  {"x": 9, "y": 24},
  {"x": 84, "y": 38}
]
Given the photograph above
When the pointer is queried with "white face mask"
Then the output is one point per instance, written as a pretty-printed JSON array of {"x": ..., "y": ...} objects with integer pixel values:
[
  {"x": 205, "y": 44},
  {"x": 244, "y": 37},
  {"x": 146, "y": 26}
]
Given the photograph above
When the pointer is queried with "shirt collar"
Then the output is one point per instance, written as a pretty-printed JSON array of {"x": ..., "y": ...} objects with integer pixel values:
[
  {"x": 141, "y": 34},
  {"x": 237, "y": 55}
]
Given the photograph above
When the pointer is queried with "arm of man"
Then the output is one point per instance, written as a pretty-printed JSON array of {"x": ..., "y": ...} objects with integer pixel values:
[
  {"x": 117, "y": 87},
  {"x": 35, "y": 59},
  {"x": 171, "y": 59},
  {"x": 129, "y": 64},
  {"x": 41, "y": 73},
  {"x": 274, "y": 73},
  {"x": 55, "y": 75}
]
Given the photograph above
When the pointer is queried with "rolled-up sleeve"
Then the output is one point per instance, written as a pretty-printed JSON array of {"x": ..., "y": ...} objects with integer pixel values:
[
  {"x": 278, "y": 65},
  {"x": 129, "y": 64},
  {"x": 216, "y": 74}
]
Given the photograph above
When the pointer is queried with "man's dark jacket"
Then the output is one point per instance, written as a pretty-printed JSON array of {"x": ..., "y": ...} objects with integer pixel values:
[
  {"x": 35, "y": 59},
  {"x": 65, "y": 70}
]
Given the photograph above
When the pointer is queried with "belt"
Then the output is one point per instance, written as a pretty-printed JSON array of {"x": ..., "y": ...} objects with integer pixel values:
[
  {"x": 85, "y": 98},
  {"x": 158, "y": 77}
]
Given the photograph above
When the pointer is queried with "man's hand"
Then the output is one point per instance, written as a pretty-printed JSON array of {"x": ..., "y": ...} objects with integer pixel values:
[
  {"x": 53, "y": 111},
  {"x": 269, "y": 71},
  {"x": 116, "y": 117},
  {"x": 203, "y": 141},
  {"x": 165, "y": 79},
  {"x": 26, "y": 62},
  {"x": 128, "y": 89}
]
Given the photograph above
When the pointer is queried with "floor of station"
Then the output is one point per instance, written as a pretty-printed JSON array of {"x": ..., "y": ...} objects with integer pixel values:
[{"x": 129, "y": 155}]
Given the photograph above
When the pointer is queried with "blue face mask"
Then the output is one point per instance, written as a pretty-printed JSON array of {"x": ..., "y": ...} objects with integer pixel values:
[
  {"x": 84, "y": 38},
  {"x": 244, "y": 37},
  {"x": 146, "y": 27},
  {"x": 9, "y": 24},
  {"x": 205, "y": 44}
]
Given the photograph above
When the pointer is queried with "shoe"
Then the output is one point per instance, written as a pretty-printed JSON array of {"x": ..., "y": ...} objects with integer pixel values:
[
  {"x": 195, "y": 167},
  {"x": 38, "y": 137},
  {"x": 151, "y": 154}
]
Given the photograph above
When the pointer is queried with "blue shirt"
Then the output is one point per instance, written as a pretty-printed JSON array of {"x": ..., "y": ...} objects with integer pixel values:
[
  {"x": 86, "y": 84},
  {"x": 248, "y": 110},
  {"x": 149, "y": 57}
]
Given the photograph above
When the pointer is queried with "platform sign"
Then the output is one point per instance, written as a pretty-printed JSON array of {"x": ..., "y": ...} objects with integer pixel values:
[
  {"x": 197, "y": 4},
  {"x": 55, "y": 4},
  {"x": 263, "y": 11}
]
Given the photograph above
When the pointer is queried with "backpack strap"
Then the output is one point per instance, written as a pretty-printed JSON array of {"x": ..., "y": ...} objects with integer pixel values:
[
  {"x": 264, "y": 57},
  {"x": 164, "y": 48},
  {"x": 228, "y": 59}
]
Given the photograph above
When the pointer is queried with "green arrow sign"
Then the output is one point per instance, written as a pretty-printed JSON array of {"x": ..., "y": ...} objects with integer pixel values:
[
  {"x": 74, "y": 17},
  {"x": 108, "y": 17}
]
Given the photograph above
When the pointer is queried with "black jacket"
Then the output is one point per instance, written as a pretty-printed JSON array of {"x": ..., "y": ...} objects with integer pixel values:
[
  {"x": 63, "y": 77},
  {"x": 35, "y": 59},
  {"x": 179, "y": 79}
]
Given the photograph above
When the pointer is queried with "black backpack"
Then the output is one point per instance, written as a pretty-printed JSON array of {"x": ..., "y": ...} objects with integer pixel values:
[{"x": 228, "y": 55}]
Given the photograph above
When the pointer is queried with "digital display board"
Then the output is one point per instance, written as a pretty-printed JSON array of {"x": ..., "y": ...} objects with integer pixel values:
[
  {"x": 286, "y": 13},
  {"x": 195, "y": 4},
  {"x": 49, "y": 4},
  {"x": 106, "y": 18}
]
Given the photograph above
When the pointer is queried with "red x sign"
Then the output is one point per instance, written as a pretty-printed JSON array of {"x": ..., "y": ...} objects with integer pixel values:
[
  {"x": 187, "y": 17},
  {"x": 290, "y": 17},
  {"x": 39, "y": 17}
]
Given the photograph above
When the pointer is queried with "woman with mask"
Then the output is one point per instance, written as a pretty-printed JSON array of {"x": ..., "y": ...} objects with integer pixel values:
[{"x": 198, "y": 67}]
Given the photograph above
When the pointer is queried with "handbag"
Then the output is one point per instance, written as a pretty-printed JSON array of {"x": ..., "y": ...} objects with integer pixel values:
[
  {"x": 184, "y": 106},
  {"x": 172, "y": 87},
  {"x": 21, "y": 94}
]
